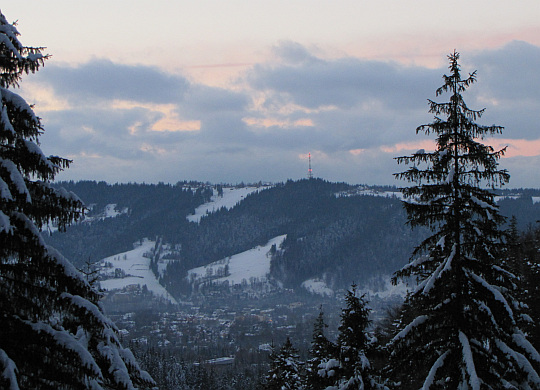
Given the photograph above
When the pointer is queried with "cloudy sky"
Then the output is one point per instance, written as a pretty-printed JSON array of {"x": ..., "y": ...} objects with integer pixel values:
[{"x": 230, "y": 91}]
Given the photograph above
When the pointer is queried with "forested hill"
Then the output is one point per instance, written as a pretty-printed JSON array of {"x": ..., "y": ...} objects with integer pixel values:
[
  {"x": 334, "y": 232},
  {"x": 144, "y": 210}
]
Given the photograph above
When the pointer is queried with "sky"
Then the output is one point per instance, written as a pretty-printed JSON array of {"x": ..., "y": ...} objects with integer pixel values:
[{"x": 242, "y": 91}]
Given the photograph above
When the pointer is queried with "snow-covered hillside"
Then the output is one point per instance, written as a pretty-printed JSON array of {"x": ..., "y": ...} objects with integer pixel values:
[
  {"x": 132, "y": 268},
  {"x": 245, "y": 267},
  {"x": 381, "y": 288},
  {"x": 231, "y": 197}
]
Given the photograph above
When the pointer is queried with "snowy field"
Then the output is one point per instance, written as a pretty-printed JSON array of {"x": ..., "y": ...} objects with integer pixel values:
[
  {"x": 387, "y": 290},
  {"x": 318, "y": 286},
  {"x": 136, "y": 267},
  {"x": 248, "y": 265},
  {"x": 231, "y": 197}
]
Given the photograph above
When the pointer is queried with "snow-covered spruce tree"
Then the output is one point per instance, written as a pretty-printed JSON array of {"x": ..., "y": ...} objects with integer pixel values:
[
  {"x": 53, "y": 332},
  {"x": 285, "y": 369},
  {"x": 459, "y": 326},
  {"x": 320, "y": 368},
  {"x": 354, "y": 370}
]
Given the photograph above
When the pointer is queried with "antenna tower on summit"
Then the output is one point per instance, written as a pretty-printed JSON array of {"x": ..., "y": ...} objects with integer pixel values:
[{"x": 310, "y": 171}]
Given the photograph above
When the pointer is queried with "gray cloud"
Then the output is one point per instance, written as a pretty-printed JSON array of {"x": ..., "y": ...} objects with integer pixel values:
[
  {"x": 105, "y": 80},
  {"x": 346, "y": 83}
]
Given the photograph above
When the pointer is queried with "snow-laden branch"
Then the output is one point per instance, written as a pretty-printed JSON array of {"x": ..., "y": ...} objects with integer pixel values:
[
  {"x": 521, "y": 361},
  {"x": 10, "y": 371},
  {"x": 523, "y": 343},
  {"x": 495, "y": 292},
  {"x": 468, "y": 359},
  {"x": 444, "y": 266},
  {"x": 416, "y": 322},
  {"x": 69, "y": 342},
  {"x": 16, "y": 178},
  {"x": 431, "y": 376},
  {"x": 18, "y": 103}
]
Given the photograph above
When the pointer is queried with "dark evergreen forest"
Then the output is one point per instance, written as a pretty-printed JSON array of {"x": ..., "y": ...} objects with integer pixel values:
[{"x": 342, "y": 239}]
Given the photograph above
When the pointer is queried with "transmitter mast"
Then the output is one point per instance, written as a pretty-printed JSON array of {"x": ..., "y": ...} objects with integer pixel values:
[{"x": 310, "y": 171}]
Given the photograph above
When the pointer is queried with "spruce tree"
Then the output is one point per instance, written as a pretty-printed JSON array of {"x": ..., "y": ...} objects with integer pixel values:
[
  {"x": 320, "y": 368},
  {"x": 355, "y": 371},
  {"x": 285, "y": 369},
  {"x": 54, "y": 334},
  {"x": 459, "y": 326}
]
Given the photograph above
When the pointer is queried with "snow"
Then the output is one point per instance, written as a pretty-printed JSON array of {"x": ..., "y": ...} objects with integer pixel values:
[
  {"x": 4, "y": 39},
  {"x": 524, "y": 344},
  {"x": 248, "y": 265},
  {"x": 80, "y": 302},
  {"x": 482, "y": 204},
  {"x": 110, "y": 211},
  {"x": 34, "y": 149},
  {"x": 5, "y": 194},
  {"x": 318, "y": 286},
  {"x": 67, "y": 341},
  {"x": 231, "y": 197},
  {"x": 445, "y": 265},
  {"x": 431, "y": 376},
  {"x": 416, "y": 322},
  {"x": 521, "y": 360},
  {"x": 387, "y": 290},
  {"x": 69, "y": 268},
  {"x": 136, "y": 267},
  {"x": 18, "y": 102},
  {"x": 496, "y": 293},
  {"x": 6, "y": 122},
  {"x": 381, "y": 288},
  {"x": 5, "y": 225},
  {"x": 469, "y": 362},
  {"x": 10, "y": 370},
  {"x": 450, "y": 176},
  {"x": 16, "y": 178}
]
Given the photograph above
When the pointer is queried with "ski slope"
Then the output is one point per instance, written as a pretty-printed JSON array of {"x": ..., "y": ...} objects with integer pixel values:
[
  {"x": 135, "y": 264},
  {"x": 246, "y": 266},
  {"x": 231, "y": 197}
]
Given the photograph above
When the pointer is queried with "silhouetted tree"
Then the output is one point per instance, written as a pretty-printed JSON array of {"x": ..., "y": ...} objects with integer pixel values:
[
  {"x": 285, "y": 369},
  {"x": 320, "y": 368},
  {"x": 459, "y": 326},
  {"x": 53, "y": 332}
]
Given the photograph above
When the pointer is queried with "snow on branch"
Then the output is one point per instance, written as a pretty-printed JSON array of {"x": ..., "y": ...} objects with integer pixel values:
[
  {"x": 82, "y": 303},
  {"x": 4, "y": 39},
  {"x": 483, "y": 204},
  {"x": 5, "y": 223},
  {"x": 36, "y": 150},
  {"x": 495, "y": 292},
  {"x": 416, "y": 322},
  {"x": 117, "y": 367},
  {"x": 29, "y": 225},
  {"x": 10, "y": 370},
  {"x": 16, "y": 178},
  {"x": 431, "y": 376},
  {"x": 474, "y": 381},
  {"x": 445, "y": 265},
  {"x": 69, "y": 269},
  {"x": 18, "y": 103},
  {"x": 69, "y": 342},
  {"x": 5, "y": 121},
  {"x": 521, "y": 360},
  {"x": 523, "y": 343},
  {"x": 416, "y": 262},
  {"x": 128, "y": 357}
]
